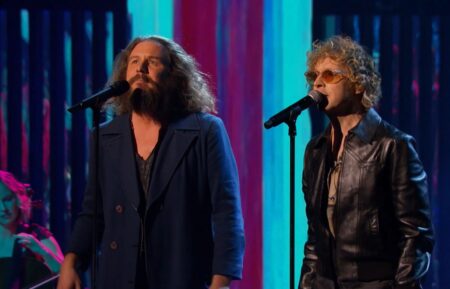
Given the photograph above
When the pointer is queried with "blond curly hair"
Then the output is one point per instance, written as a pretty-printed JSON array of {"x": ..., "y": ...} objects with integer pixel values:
[{"x": 360, "y": 65}]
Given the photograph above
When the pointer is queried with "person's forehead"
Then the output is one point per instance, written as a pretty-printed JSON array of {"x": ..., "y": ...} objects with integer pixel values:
[
  {"x": 148, "y": 48},
  {"x": 4, "y": 190},
  {"x": 327, "y": 62}
]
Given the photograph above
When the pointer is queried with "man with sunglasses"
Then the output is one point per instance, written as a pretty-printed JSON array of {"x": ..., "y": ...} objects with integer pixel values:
[{"x": 365, "y": 188}]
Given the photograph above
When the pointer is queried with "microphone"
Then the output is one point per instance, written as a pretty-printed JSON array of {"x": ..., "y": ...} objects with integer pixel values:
[
  {"x": 117, "y": 88},
  {"x": 313, "y": 97}
]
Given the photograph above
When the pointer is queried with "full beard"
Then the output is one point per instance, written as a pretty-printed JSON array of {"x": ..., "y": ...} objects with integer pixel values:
[
  {"x": 146, "y": 102},
  {"x": 155, "y": 102},
  {"x": 160, "y": 101}
]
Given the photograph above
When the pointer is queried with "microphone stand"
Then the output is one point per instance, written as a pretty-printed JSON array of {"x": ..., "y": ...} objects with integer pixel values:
[
  {"x": 96, "y": 120},
  {"x": 291, "y": 119},
  {"x": 96, "y": 124},
  {"x": 291, "y": 122},
  {"x": 289, "y": 116},
  {"x": 95, "y": 102}
]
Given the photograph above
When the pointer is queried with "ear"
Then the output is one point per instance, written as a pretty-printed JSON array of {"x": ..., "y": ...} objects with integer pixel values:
[{"x": 359, "y": 89}]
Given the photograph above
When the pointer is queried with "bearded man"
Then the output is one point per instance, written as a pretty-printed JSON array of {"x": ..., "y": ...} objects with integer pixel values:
[{"x": 170, "y": 214}]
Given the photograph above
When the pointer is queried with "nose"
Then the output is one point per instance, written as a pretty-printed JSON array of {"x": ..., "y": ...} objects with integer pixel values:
[
  {"x": 318, "y": 82},
  {"x": 143, "y": 67}
]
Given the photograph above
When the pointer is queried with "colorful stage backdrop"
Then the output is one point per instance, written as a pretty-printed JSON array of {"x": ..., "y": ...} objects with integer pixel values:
[{"x": 53, "y": 54}]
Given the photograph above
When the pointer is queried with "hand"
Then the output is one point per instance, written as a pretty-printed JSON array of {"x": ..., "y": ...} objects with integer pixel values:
[
  {"x": 69, "y": 278},
  {"x": 30, "y": 242},
  {"x": 220, "y": 282},
  {"x": 47, "y": 249}
]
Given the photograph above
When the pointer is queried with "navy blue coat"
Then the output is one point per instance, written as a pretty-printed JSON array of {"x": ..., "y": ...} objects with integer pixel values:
[{"x": 193, "y": 225}]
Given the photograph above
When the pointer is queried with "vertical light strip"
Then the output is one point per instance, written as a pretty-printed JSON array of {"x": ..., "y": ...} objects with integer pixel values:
[
  {"x": 297, "y": 34},
  {"x": 109, "y": 43},
  {"x": 275, "y": 188},
  {"x": 151, "y": 17},
  {"x": 68, "y": 73},
  {"x": 287, "y": 38}
]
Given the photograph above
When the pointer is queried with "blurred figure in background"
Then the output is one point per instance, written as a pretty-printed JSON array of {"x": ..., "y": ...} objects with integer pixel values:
[{"x": 28, "y": 252}]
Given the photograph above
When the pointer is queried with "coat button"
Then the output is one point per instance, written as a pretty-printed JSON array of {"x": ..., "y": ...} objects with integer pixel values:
[
  {"x": 113, "y": 245},
  {"x": 119, "y": 209}
]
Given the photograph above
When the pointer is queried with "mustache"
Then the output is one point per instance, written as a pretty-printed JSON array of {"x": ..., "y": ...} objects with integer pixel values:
[{"x": 143, "y": 77}]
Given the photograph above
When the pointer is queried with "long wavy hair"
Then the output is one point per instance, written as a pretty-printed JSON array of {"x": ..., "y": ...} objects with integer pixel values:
[
  {"x": 20, "y": 190},
  {"x": 189, "y": 88},
  {"x": 361, "y": 67}
]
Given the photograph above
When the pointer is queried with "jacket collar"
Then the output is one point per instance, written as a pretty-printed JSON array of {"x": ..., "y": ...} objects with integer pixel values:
[
  {"x": 120, "y": 128},
  {"x": 365, "y": 130},
  {"x": 176, "y": 141}
]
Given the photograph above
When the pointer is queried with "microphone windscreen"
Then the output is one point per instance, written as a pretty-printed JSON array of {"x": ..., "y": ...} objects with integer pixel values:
[
  {"x": 119, "y": 87},
  {"x": 316, "y": 96}
]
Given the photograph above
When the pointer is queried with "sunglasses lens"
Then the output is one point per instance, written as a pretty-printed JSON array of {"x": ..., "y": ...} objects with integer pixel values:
[
  {"x": 328, "y": 76},
  {"x": 332, "y": 76},
  {"x": 310, "y": 77}
]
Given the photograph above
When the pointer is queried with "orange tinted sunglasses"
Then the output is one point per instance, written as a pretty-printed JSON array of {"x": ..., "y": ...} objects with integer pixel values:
[{"x": 328, "y": 76}]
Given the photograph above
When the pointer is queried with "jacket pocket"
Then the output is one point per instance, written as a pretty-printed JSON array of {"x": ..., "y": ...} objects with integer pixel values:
[
  {"x": 374, "y": 224},
  {"x": 371, "y": 241},
  {"x": 322, "y": 283}
]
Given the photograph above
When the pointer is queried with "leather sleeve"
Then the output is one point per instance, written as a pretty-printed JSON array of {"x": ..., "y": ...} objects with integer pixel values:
[
  {"x": 308, "y": 271},
  {"x": 412, "y": 210}
]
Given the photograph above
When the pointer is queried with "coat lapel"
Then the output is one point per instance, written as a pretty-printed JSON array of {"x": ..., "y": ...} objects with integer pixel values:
[
  {"x": 178, "y": 139},
  {"x": 130, "y": 180},
  {"x": 119, "y": 130}
]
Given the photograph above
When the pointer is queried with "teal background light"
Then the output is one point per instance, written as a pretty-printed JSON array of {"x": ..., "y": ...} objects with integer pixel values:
[
  {"x": 287, "y": 38},
  {"x": 151, "y": 17},
  {"x": 225, "y": 36}
]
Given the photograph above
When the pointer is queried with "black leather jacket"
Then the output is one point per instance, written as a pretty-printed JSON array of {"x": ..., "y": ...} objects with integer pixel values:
[{"x": 382, "y": 214}]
